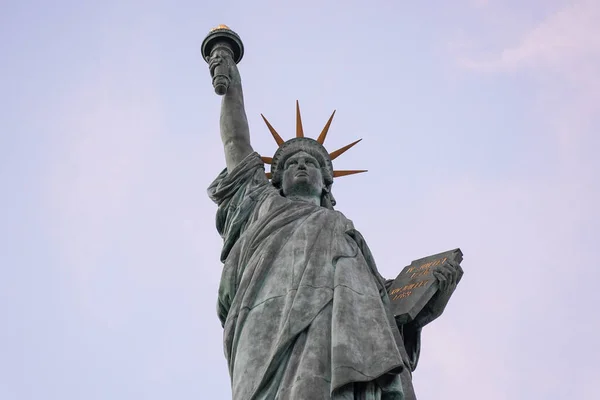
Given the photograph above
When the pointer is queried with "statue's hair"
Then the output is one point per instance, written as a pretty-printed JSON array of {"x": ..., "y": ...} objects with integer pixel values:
[{"x": 316, "y": 150}]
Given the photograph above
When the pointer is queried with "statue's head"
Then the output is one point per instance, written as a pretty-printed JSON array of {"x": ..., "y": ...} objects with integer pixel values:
[{"x": 302, "y": 166}]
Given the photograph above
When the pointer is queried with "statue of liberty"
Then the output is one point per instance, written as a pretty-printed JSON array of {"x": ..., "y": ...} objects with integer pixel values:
[{"x": 304, "y": 309}]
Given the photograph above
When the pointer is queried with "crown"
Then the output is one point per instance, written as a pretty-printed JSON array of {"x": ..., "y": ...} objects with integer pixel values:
[{"x": 300, "y": 142}]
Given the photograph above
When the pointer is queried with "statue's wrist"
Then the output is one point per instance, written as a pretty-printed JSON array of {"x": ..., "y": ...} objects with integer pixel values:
[{"x": 234, "y": 94}]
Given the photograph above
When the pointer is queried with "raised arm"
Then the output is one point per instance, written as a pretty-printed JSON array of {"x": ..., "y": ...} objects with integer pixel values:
[{"x": 234, "y": 124}]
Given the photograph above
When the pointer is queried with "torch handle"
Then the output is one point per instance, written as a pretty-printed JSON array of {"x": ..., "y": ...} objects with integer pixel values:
[
  {"x": 220, "y": 83},
  {"x": 221, "y": 78}
]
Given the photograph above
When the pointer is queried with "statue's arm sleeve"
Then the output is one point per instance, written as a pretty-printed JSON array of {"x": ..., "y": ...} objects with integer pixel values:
[
  {"x": 407, "y": 335},
  {"x": 411, "y": 336},
  {"x": 237, "y": 194}
]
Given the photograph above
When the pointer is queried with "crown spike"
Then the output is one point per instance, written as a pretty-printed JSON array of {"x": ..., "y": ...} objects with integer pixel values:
[
  {"x": 267, "y": 160},
  {"x": 337, "y": 174},
  {"x": 299, "y": 130},
  {"x": 341, "y": 151},
  {"x": 276, "y": 136},
  {"x": 323, "y": 135}
]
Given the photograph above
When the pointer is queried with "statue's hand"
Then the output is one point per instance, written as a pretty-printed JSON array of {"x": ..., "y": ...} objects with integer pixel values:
[
  {"x": 447, "y": 275},
  {"x": 223, "y": 58}
]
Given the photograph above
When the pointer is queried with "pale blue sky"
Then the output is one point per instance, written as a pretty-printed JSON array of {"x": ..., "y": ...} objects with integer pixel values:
[{"x": 480, "y": 122}]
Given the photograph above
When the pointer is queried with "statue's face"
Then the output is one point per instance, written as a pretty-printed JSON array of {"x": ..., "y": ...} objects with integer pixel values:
[{"x": 302, "y": 176}]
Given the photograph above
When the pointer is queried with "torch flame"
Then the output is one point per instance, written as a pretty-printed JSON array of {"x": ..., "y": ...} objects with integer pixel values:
[{"x": 222, "y": 26}]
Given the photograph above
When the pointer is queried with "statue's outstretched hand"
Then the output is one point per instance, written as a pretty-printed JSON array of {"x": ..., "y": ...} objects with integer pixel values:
[
  {"x": 447, "y": 275},
  {"x": 222, "y": 58}
]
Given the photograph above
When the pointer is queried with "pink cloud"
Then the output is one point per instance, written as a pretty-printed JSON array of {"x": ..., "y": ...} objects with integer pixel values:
[
  {"x": 480, "y": 3},
  {"x": 566, "y": 38},
  {"x": 561, "y": 56}
]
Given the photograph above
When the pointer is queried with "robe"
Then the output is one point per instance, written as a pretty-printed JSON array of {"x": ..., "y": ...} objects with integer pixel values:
[{"x": 304, "y": 310}]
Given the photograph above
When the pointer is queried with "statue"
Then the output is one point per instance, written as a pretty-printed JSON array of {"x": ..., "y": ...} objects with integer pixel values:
[{"x": 305, "y": 312}]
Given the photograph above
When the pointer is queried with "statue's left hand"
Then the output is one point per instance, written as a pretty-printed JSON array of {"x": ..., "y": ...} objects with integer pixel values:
[{"x": 447, "y": 275}]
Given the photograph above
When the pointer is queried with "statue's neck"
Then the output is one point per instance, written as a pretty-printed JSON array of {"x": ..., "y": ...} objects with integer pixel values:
[{"x": 306, "y": 199}]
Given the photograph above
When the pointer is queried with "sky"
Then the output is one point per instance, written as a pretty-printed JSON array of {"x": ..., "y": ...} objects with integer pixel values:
[{"x": 479, "y": 122}]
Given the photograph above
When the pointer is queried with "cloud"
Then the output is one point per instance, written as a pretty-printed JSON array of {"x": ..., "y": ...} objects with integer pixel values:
[
  {"x": 479, "y": 3},
  {"x": 561, "y": 42},
  {"x": 560, "y": 56},
  {"x": 541, "y": 227}
]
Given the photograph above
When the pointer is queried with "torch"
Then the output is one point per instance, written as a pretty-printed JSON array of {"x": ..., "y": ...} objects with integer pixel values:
[{"x": 222, "y": 38}]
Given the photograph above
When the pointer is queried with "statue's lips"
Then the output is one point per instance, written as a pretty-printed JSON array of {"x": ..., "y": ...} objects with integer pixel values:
[{"x": 301, "y": 173}]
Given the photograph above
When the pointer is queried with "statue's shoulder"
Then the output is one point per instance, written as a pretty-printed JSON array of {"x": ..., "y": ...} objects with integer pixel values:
[{"x": 344, "y": 222}]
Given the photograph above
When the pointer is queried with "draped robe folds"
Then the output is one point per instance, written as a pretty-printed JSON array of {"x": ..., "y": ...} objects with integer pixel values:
[{"x": 304, "y": 310}]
